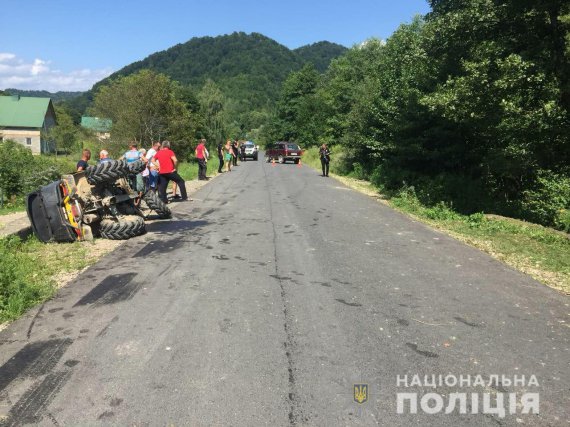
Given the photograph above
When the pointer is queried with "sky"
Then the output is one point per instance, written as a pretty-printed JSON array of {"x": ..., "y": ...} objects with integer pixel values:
[{"x": 64, "y": 45}]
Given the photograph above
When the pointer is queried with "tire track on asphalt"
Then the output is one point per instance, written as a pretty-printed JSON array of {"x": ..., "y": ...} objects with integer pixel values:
[{"x": 295, "y": 413}]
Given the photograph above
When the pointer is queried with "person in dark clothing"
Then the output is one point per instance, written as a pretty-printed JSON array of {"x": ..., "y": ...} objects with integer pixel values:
[
  {"x": 220, "y": 156},
  {"x": 82, "y": 164},
  {"x": 325, "y": 155},
  {"x": 242, "y": 152},
  {"x": 235, "y": 150}
]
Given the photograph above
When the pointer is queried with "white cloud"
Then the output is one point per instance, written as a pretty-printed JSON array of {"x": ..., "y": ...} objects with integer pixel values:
[{"x": 38, "y": 75}]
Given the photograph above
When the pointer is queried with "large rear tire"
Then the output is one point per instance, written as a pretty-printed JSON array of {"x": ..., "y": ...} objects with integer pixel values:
[
  {"x": 136, "y": 167},
  {"x": 154, "y": 203},
  {"x": 106, "y": 172},
  {"x": 122, "y": 228}
]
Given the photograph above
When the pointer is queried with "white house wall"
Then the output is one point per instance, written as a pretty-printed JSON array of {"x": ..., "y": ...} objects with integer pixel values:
[{"x": 21, "y": 137}]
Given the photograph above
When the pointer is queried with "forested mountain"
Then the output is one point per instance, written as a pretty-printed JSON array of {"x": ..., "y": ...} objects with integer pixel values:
[
  {"x": 320, "y": 54},
  {"x": 245, "y": 66},
  {"x": 57, "y": 96},
  {"x": 248, "y": 68}
]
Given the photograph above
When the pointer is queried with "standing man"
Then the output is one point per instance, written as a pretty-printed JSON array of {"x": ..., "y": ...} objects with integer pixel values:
[
  {"x": 235, "y": 152},
  {"x": 136, "y": 181},
  {"x": 133, "y": 154},
  {"x": 167, "y": 163},
  {"x": 82, "y": 164},
  {"x": 202, "y": 157},
  {"x": 325, "y": 155},
  {"x": 104, "y": 156},
  {"x": 152, "y": 166},
  {"x": 220, "y": 156}
]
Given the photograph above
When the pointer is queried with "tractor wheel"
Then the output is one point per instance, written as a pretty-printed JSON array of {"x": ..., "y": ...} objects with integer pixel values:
[
  {"x": 136, "y": 167},
  {"x": 122, "y": 228},
  {"x": 154, "y": 203},
  {"x": 106, "y": 172}
]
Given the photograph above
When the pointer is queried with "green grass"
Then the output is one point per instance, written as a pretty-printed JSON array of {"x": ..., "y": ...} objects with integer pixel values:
[
  {"x": 536, "y": 250},
  {"x": 9, "y": 208},
  {"x": 189, "y": 170},
  {"x": 28, "y": 269}
]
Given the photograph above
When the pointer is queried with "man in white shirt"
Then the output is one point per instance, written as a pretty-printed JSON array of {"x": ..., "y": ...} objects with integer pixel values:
[{"x": 152, "y": 166}]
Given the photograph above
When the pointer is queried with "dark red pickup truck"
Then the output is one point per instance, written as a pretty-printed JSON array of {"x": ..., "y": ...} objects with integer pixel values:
[{"x": 283, "y": 151}]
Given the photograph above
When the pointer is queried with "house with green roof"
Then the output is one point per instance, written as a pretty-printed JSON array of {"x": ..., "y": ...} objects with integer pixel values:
[
  {"x": 101, "y": 127},
  {"x": 26, "y": 120}
]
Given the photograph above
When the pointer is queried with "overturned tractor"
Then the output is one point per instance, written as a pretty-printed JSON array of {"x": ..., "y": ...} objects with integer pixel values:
[{"x": 98, "y": 202}]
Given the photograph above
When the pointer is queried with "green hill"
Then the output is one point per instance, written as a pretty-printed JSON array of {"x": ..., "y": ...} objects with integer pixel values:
[
  {"x": 320, "y": 54},
  {"x": 55, "y": 96},
  {"x": 249, "y": 68}
]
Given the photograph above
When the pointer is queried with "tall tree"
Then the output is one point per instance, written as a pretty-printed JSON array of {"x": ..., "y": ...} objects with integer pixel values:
[
  {"x": 144, "y": 107},
  {"x": 212, "y": 104},
  {"x": 65, "y": 134}
]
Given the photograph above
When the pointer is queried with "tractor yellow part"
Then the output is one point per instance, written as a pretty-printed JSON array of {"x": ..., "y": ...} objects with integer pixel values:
[{"x": 71, "y": 217}]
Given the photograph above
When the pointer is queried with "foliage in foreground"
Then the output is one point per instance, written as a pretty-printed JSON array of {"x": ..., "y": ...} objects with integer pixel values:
[{"x": 469, "y": 105}]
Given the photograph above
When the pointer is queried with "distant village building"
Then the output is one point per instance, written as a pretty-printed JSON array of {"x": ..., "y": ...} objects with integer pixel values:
[
  {"x": 101, "y": 127},
  {"x": 27, "y": 120}
]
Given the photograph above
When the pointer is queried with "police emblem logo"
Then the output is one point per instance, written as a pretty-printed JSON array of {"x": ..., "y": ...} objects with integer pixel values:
[{"x": 360, "y": 393}]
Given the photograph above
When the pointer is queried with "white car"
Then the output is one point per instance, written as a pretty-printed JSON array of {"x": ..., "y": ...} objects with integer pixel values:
[{"x": 250, "y": 150}]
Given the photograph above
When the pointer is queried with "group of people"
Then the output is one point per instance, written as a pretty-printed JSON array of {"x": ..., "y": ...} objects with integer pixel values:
[
  {"x": 161, "y": 168},
  {"x": 228, "y": 155},
  {"x": 161, "y": 165}
]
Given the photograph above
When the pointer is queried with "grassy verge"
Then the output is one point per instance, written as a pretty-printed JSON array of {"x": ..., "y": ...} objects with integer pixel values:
[
  {"x": 11, "y": 208},
  {"x": 189, "y": 170},
  {"x": 29, "y": 271},
  {"x": 538, "y": 251}
]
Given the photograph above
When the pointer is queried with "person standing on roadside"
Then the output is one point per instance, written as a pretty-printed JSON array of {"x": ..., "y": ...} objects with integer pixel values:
[
  {"x": 104, "y": 156},
  {"x": 136, "y": 181},
  {"x": 228, "y": 155},
  {"x": 152, "y": 166},
  {"x": 202, "y": 157},
  {"x": 167, "y": 164},
  {"x": 82, "y": 164},
  {"x": 220, "y": 157},
  {"x": 325, "y": 155},
  {"x": 235, "y": 152}
]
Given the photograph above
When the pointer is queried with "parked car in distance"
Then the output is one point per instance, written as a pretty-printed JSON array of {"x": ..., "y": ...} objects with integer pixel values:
[
  {"x": 283, "y": 151},
  {"x": 250, "y": 151}
]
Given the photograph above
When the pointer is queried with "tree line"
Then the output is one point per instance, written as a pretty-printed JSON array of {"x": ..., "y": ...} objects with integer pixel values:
[{"x": 467, "y": 105}]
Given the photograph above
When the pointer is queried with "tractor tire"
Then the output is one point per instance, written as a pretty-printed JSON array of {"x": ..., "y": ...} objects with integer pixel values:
[
  {"x": 106, "y": 172},
  {"x": 154, "y": 203},
  {"x": 123, "y": 228},
  {"x": 136, "y": 167}
]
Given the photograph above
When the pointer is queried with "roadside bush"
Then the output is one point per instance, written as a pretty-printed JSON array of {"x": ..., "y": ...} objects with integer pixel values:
[
  {"x": 14, "y": 161},
  {"x": 562, "y": 220},
  {"x": 547, "y": 203},
  {"x": 21, "y": 172}
]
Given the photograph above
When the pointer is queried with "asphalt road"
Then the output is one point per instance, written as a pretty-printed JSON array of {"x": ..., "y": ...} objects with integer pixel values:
[{"x": 266, "y": 299}]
